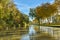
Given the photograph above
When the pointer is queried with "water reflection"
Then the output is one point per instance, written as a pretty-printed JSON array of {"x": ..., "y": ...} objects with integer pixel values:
[
  {"x": 30, "y": 33},
  {"x": 31, "y": 30},
  {"x": 25, "y": 37},
  {"x": 49, "y": 30}
]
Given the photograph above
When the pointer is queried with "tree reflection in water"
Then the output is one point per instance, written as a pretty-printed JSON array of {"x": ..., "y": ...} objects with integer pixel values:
[{"x": 32, "y": 35}]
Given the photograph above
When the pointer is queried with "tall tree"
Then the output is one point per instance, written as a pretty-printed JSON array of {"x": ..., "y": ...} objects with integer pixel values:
[
  {"x": 10, "y": 16},
  {"x": 46, "y": 10},
  {"x": 32, "y": 13}
]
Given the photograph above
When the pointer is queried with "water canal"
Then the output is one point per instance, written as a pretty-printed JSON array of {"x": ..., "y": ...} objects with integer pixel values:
[
  {"x": 55, "y": 32},
  {"x": 32, "y": 34}
]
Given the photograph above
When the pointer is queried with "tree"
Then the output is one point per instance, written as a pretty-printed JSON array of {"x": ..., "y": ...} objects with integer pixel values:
[
  {"x": 3, "y": 13},
  {"x": 25, "y": 21},
  {"x": 32, "y": 13},
  {"x": 46, "y": 10},
  {"x": 10, "y": 16}
]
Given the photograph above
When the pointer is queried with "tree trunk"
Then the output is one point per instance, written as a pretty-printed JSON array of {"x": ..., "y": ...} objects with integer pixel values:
[
  {"x": 39, "y": 23},
  {"x": 48, "y": 20}
]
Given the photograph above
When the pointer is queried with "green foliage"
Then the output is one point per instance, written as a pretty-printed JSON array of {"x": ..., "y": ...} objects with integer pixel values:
[
  {"x": 10, "y": 16},
  {"x": 46, "y": 10},
  {"x": 32, "y": 13}
]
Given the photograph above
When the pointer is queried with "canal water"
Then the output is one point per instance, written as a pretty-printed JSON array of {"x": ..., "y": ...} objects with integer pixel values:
[
  {"x": 30, "y": 33},
  {"x": 51, "y": 30}
]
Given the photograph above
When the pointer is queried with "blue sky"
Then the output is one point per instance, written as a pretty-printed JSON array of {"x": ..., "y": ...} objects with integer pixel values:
[{"x": 25, "y": 5}]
